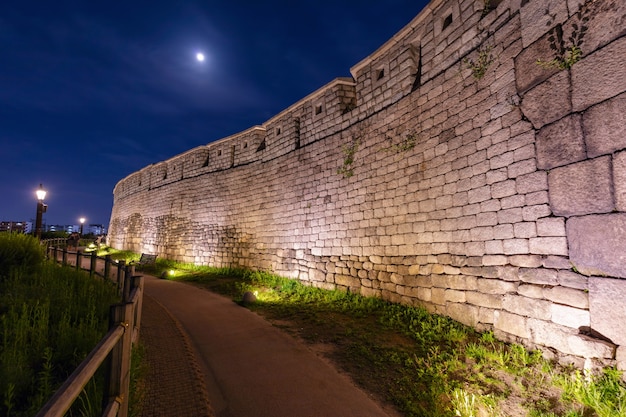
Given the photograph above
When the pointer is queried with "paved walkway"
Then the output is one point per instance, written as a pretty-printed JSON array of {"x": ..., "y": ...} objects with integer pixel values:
[{"x": 205, "y": 349}]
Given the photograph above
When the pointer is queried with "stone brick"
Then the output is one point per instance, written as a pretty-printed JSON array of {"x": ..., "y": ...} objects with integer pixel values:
[
  {"x": 511, "y": 323},
  {"x": 599, "y": 76},
  {"x": 536, "y": 16},
  {"x": 438, "y": 295},
  {"x": 526, "y": 261},
  {"x": 490, "y": 260},
  {"x": 597, "y": 244},
  {"x": 455, "y": 296},
  {"x": 529, "y": 183},
  {"x": 607, "y": 307},
  {"x": 562, "y": 339},
  {"x": 568, "y": 296},
  {"x": 532, "y": 213},
  {"x": 549, "y": 101},
  {"x": 529, "y": 307},
  {"x": 571, "y": 279},
  {"x": 539, "y": 276},
  {"x": 495, "y": 286},
  {"x": 503, "y": 189},
  {"x": 581, "y": 188},
  {"x": 515, "y": 246},
  {"x": 463, "y": 313},
  {"x": 560, "y": 143},
  {"x": 525, "y": 230},
  {"x": 530, "y": 291},
  {"x": 569, "y": 316},
  {"x": 548, "y": 246},
  {"x": 619, "y": 180},
  {"x": 484, "y": 300},
  {"x": 551, "y": 226},
  {"x": 604, "y": 127}
]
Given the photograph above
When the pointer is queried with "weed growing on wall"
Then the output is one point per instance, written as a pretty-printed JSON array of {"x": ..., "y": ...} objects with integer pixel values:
[
  {"x": 567, "y": 54},
  {"x": 408, "y": 142},
  {"x": 480, "y": 66},
  {"x": 348, "y": 152}
]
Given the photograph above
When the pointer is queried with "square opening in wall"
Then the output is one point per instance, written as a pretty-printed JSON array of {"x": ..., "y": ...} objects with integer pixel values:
[
  {"x": 380, "y": 74},
  {"x": 446, "y": 22},
  {"x": 318, "y": 109}
]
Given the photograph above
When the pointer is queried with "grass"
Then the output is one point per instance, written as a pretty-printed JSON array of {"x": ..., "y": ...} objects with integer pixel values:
[{"x": 419, "y": 363}]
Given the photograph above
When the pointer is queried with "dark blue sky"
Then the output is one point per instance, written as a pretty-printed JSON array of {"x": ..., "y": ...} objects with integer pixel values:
[{"x": 91, "y": 91}]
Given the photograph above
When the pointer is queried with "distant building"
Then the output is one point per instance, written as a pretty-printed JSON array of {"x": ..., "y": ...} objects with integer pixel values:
[{"x": 15, "y": 227}]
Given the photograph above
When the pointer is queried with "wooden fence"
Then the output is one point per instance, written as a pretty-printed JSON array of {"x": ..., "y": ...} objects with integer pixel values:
[{"x": 124, "y": 324}]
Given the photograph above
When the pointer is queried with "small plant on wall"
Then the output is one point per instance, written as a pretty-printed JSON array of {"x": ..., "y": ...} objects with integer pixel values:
[
  {"x": 408, "y": 142},
  {"x": 480, "y": 66},
  {"x": 567, "y": 54},
  {"x": 347, "y": 170}
]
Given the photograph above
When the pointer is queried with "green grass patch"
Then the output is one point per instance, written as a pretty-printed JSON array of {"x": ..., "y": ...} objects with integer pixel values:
[
  {"x": 50, "y": 319},
  {"x": 421, "y": 363}
]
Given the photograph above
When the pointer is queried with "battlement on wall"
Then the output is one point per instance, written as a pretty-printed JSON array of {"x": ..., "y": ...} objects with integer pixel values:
[{"x": 434, "y": 41}]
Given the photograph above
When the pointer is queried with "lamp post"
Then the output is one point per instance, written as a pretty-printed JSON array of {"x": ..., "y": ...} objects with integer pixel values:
[
  {"x": 41, "y": 209},
  {"x": 82, "y": 221}
]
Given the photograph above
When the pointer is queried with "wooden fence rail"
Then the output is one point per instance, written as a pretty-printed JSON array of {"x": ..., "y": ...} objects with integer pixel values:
[{"x": 124, "y": 325}]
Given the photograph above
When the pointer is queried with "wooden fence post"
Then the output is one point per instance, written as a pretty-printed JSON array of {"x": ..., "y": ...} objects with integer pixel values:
[
  {"x": 121, "y": 267},
  {"x": 64, "y": 257},
  {"x": 92, "y": 264},
  {"x": 117, "y": 381},
  {"x": 78, "y": 259},
  {"x": 138, "y": 282},
  {"x": 107, "y": 266}
]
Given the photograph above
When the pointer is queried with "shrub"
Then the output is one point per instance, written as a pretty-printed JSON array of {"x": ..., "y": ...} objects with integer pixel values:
[{"x": 19, "y": 251}]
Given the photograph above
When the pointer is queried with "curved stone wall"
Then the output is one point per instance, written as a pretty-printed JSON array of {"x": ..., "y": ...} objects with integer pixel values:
[{"x": 453, "y": 171}]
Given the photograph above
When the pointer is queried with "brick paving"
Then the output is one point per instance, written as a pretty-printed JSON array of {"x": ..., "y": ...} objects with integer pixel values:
[{"x": 174, "y": 385}]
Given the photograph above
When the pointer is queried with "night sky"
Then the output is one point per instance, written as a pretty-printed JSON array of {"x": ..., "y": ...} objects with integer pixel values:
[{"x": 92, "y": 91}]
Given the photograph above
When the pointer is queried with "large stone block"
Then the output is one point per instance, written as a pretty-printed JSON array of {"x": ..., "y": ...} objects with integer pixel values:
[
  {"x": 569, "y": 316},
  {"x": 604, "y": 126},
  {"x": 607, "y": 308},
  {"x": 560, "y": 143},
  {"x": 537, "y": 15},
  {"x": 619, "y": 180},
  {"x": 597, "y": 244},
  {"x": 599, "y": 76},
  {"x": 548, "y": 101},
  {"x": 511, "y": 323},
  {"x": 581, "y": 188}
]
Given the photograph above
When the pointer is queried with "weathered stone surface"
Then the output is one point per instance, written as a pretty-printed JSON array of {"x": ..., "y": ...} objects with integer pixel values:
[
  {"x": 548, "y": 101},
  {"x": 536, "y": 16},
  {"x": 484, "y": 300},
  {"x": 606, "y": 22},
  {"x": 569, "y": 316},
  {"x": 528, "y": 307},
  {"x": 527, "y": 73},
  {"x": 551, "y": 226},
  {"x": 597, "y": 244},
  {"x": 464, "y": 313},
  {"x": 560, "y": 143},
  {"x": 599, "y": 76},
  {"x": 607, "y": 307},
  {"x": 538, "y": 276},
  {"x": 604, "y": 127},
  {"x": 495, "y": 286},
  {"x": 548, "y": 245},
  {"x": 619, "y": 180},
  {"x": 620, "y": 358},
  {"x": 581, "y": 188},
  {"x": 568, "y": 296},
  {"x": 511, "y": 323},
  {"x": 571, "y": 279},
  {"x": 531, "y": 291},
  {"x": 562, "y": 339}
]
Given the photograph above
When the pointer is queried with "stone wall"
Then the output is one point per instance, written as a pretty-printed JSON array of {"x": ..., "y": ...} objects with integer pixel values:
[{"x": 452, "y": 171}]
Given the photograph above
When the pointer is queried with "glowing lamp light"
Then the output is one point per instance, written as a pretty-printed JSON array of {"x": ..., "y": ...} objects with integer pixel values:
[{"x": 41, "y": 193}]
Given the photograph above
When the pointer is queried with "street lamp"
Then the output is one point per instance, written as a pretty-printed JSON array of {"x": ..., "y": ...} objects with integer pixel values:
[
  {"x": 82, "y": 221},
  {"x": 41, "y": 209}
]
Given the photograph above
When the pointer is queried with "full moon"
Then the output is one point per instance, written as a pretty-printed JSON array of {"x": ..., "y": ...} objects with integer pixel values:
[{"x": 200, "y": 56}]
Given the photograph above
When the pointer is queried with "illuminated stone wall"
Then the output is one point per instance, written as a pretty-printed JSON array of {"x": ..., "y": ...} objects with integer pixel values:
[{"x": 452, "y": 172}]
